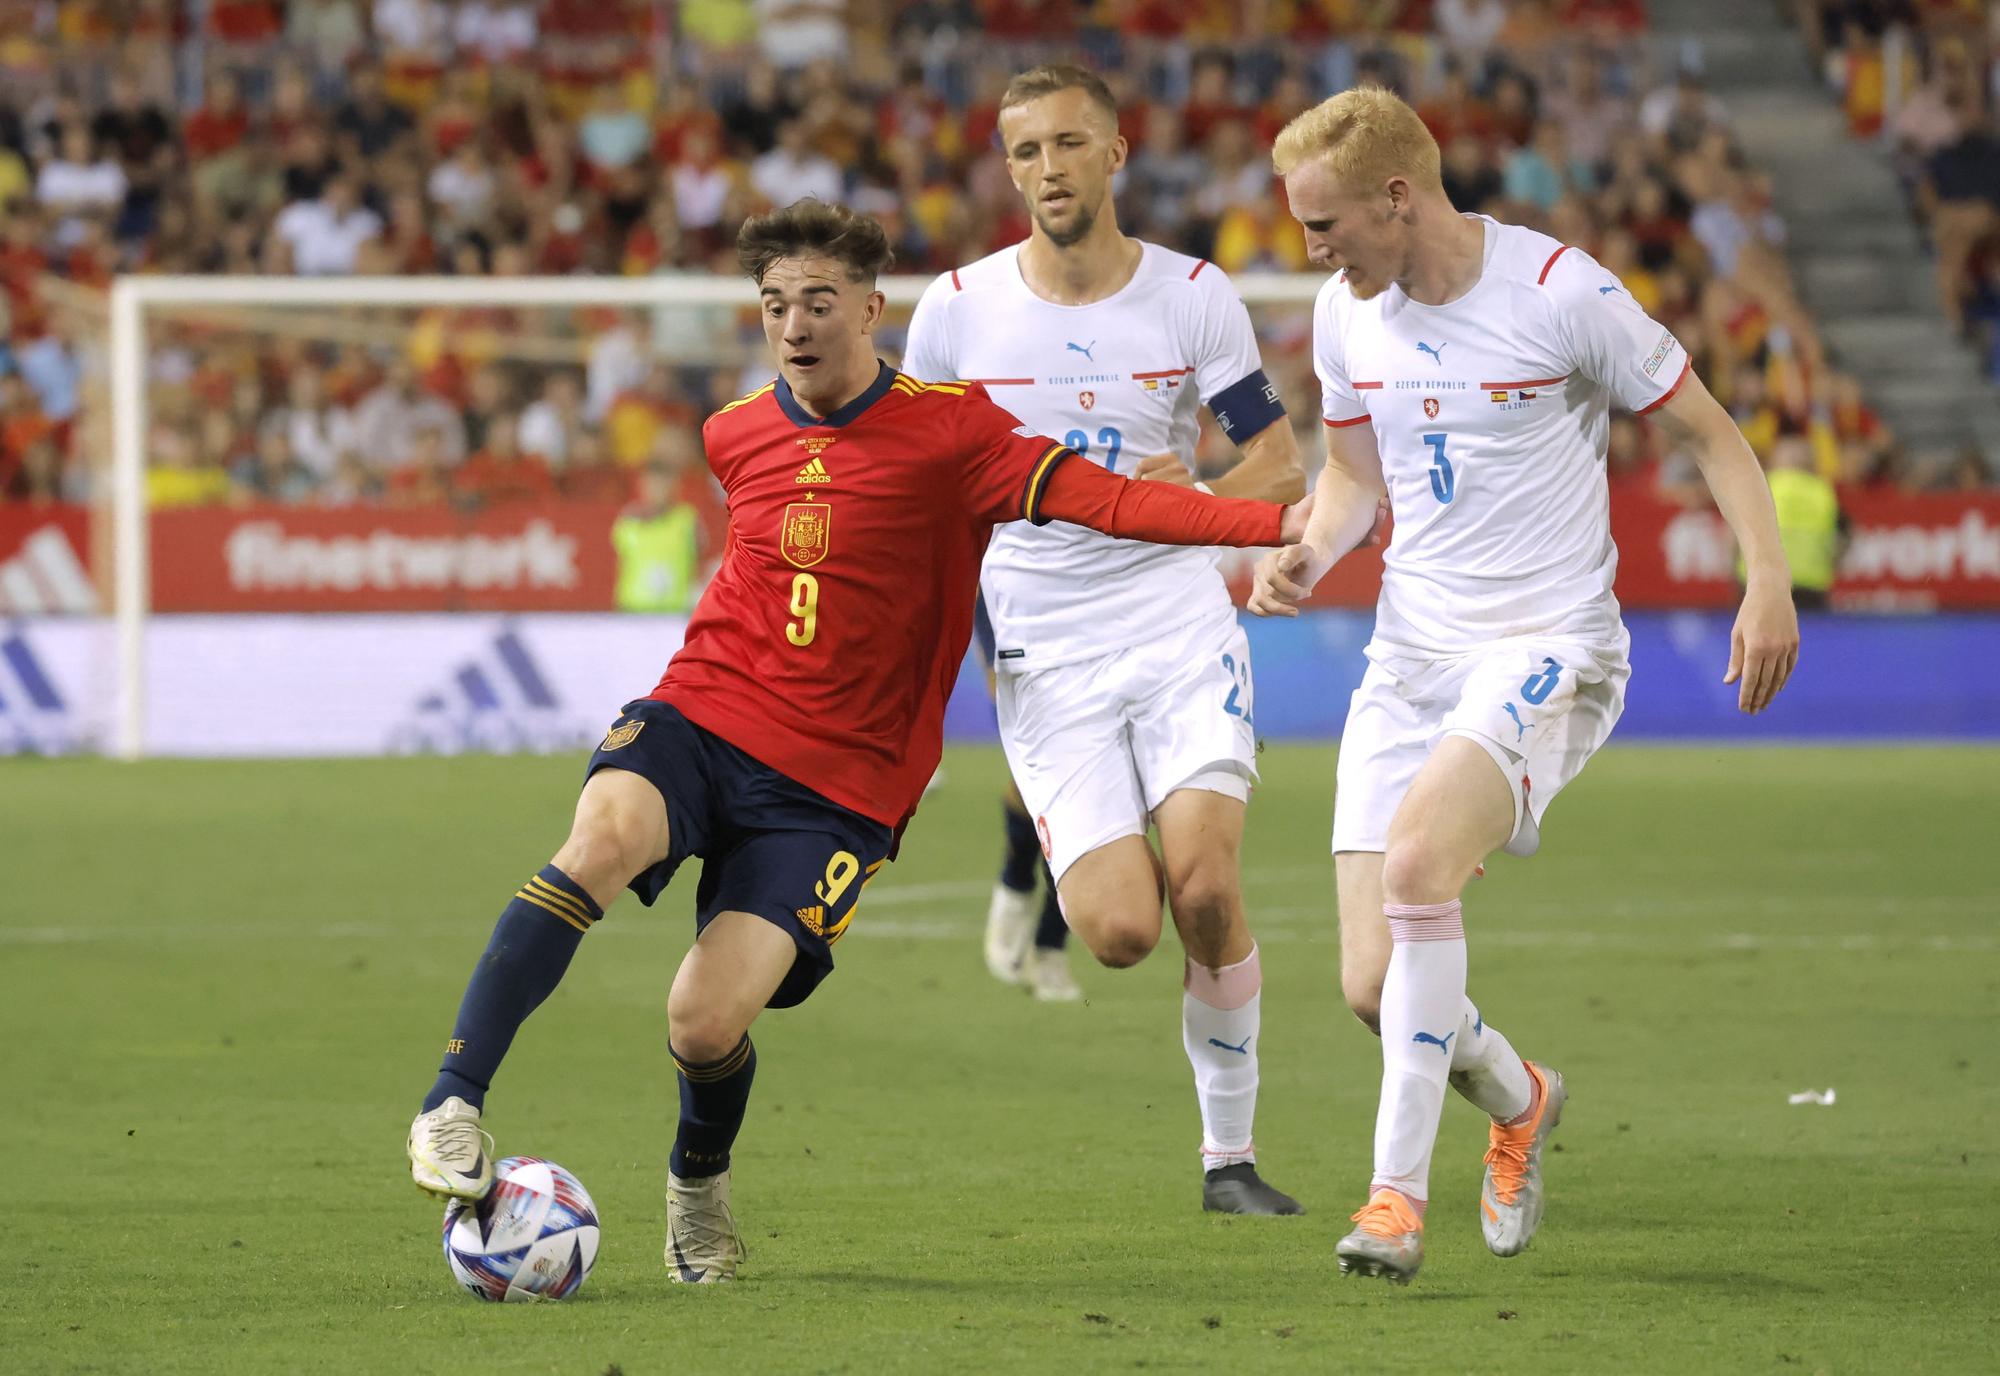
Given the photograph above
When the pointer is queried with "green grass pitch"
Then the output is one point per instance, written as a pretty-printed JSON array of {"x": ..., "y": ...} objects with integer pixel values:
[{"x": 223, "y": 988}]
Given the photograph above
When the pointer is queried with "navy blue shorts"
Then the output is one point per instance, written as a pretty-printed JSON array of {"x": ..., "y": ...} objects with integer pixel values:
[{"x": 769, "y": 845}]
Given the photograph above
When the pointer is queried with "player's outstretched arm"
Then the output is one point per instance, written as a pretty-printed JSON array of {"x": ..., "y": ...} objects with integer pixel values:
[
  {"x": 1084, "y": 494},
  {"x": 1764, "y": 644},
  {"x": 1343, "y": 505},
  {"x": 1269, "y": 471}
]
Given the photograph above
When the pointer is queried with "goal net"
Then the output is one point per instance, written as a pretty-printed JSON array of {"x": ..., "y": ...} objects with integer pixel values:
[{"x": 351, "y": 516}]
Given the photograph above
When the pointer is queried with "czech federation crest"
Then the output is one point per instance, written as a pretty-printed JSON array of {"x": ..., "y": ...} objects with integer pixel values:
[
  {"x": 1086, "y": 399},
  {"x": 1431, "y": 408},
  {"x": 804, "y": 536}
]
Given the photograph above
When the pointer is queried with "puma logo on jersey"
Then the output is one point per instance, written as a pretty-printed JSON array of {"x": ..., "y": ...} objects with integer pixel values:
[
  {"x": 814, "y": 472},
  {"x": 1436, "y": 353},
  {"x": 1083, "y": 349}
]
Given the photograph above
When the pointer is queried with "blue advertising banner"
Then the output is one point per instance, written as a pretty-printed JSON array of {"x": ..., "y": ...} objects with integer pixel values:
[{"x": 1860, "y": 678}]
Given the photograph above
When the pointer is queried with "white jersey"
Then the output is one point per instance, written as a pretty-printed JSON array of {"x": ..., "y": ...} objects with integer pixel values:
[
  {"x": 1491, "y": 415},
  {"x": 1115, "y": 380}
]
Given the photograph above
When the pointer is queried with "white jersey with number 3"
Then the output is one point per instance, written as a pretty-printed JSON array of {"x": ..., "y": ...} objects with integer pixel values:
[
  {"x": 1116, "y": 380},
  {"x": 1491, "y": 414}
]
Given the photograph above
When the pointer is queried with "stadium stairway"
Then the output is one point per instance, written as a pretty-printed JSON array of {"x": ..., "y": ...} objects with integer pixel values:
[{"x": 1861, "y": 264}]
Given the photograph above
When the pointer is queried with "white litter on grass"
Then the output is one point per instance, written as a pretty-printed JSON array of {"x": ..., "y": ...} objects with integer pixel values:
[{"x": 1821, "y": 1097}]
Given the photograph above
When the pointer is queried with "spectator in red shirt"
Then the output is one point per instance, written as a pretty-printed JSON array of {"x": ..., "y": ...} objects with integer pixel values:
[
  {"x": 1211, "y": 99},
  {"x": 220, "y": 123},
  {"x": 425, "y": 479},
  {"x": 590, "y": 475},
  {"x": 500, "y": 473}
]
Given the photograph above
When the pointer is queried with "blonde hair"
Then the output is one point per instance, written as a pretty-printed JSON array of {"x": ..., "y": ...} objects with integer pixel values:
[{"x": 1368, "y": 135}]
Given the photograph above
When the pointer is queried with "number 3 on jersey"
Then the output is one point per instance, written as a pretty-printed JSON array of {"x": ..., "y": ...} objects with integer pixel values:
[
  {"x": 805, "y": 607},
  {"x": 1443, "y": 484}
]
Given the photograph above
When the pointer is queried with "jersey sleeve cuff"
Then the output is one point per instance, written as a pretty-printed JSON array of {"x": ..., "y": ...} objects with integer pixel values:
[
  {"x": 1038, "y": 483},
  {"x": 1247, "y": 407},
  {"x": 1333, "y": 424},
  {"x": 1687, "y": 363}
]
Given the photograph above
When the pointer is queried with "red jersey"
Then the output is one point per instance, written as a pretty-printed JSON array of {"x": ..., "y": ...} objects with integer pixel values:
[{"x": 830, "y": 638}]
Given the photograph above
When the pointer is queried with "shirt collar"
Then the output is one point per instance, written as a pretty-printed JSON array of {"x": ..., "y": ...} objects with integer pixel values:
[{"x": 885, "y": 377}]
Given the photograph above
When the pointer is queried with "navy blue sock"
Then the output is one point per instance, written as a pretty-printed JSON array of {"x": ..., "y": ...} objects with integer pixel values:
[
  {"x": 531, "y": 947},
  {"x": 714, "y": 1095},
  {"x": 1024, "y": 851},
  {"x": 1051, "y": 933}
]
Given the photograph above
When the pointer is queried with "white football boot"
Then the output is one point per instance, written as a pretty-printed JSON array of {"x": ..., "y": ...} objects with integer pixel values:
[
  {"x": 450, "y": 1155},
  {"x": 1010, "y": 926},
  {"x": 703, "y": 1244},
  {"x": 1049, "y": 976}
]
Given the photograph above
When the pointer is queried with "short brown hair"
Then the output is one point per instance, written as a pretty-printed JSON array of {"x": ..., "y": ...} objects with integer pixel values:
[
  {"x": 1369, "y": 134},
  {"x": 1051, "y": 77},
  {"x": 810, "y": 228}
]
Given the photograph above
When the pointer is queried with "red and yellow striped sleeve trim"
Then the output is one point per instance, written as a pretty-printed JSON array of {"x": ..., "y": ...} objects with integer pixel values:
[{"x": 1031, "y": 499}]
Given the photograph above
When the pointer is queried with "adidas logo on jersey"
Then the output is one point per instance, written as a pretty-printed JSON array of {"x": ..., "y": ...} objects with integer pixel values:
[{"x": 814, "y": 472}]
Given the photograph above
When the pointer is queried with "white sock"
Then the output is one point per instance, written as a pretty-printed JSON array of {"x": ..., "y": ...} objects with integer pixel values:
[
  {"x": 1423, "y": 999},
  {"x": 1487, "y": 1070},
  {"x": 1219, "y": 1017}
]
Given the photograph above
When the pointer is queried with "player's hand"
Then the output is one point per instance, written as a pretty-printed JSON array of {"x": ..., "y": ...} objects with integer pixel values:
[
  {"x": 1163, "y": 468},
  {"x": 1763, "y": 645},
  {"x": 1285, "y": 578},
  {"x": 1298, "y": 516},
  {"x": 1379, "y": 532}
]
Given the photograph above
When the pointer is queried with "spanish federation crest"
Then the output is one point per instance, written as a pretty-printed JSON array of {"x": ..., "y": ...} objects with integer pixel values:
[
  {"x": 804, "y": 535},
  {"x": 622, "y": 734}
]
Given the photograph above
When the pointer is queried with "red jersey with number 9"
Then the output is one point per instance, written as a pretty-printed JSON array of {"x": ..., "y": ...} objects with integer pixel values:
[{"x": 831, "y": 637}]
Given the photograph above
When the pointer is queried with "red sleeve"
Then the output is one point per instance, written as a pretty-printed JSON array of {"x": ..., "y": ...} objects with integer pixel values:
[
  {"x": 1005, "y": 463},
  {"x": 1159, "y": 513}
]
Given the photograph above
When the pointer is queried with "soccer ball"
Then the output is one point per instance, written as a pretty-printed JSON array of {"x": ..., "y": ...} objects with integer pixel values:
[{"x": 533, "y": 1237}]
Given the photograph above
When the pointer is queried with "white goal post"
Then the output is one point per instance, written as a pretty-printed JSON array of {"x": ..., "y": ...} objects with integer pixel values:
[{"x": 134, "y": 297}]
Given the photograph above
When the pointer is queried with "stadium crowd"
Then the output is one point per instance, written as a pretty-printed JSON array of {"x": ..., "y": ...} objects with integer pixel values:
[
  {"x": 1924, "y": 77},
  {"x": 499, "y": 137}
]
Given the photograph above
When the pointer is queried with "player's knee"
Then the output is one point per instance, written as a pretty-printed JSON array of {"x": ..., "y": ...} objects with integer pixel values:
[
  {"x": 1413, "y": 871},
  {"x": 700, "y": 1031},
  {"x": 601, "y": 853},
  {"x": 1120, "y": 940}
]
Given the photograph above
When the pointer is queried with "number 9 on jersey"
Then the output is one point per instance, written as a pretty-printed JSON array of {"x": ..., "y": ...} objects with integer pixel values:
[{"x": 805, "y": 610}]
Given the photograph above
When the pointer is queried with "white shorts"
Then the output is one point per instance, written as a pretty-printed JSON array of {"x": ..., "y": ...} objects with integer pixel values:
[
  {"x": 1096, "y": 745},
  {"x": 1539, "y": 705}
]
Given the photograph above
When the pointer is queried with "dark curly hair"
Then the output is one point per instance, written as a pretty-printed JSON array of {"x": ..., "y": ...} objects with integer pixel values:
[{"x": 811, "y": 228}]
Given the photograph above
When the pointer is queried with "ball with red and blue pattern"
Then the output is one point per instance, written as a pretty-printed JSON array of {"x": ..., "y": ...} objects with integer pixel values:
[{"x": 533, "y": 1237}]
